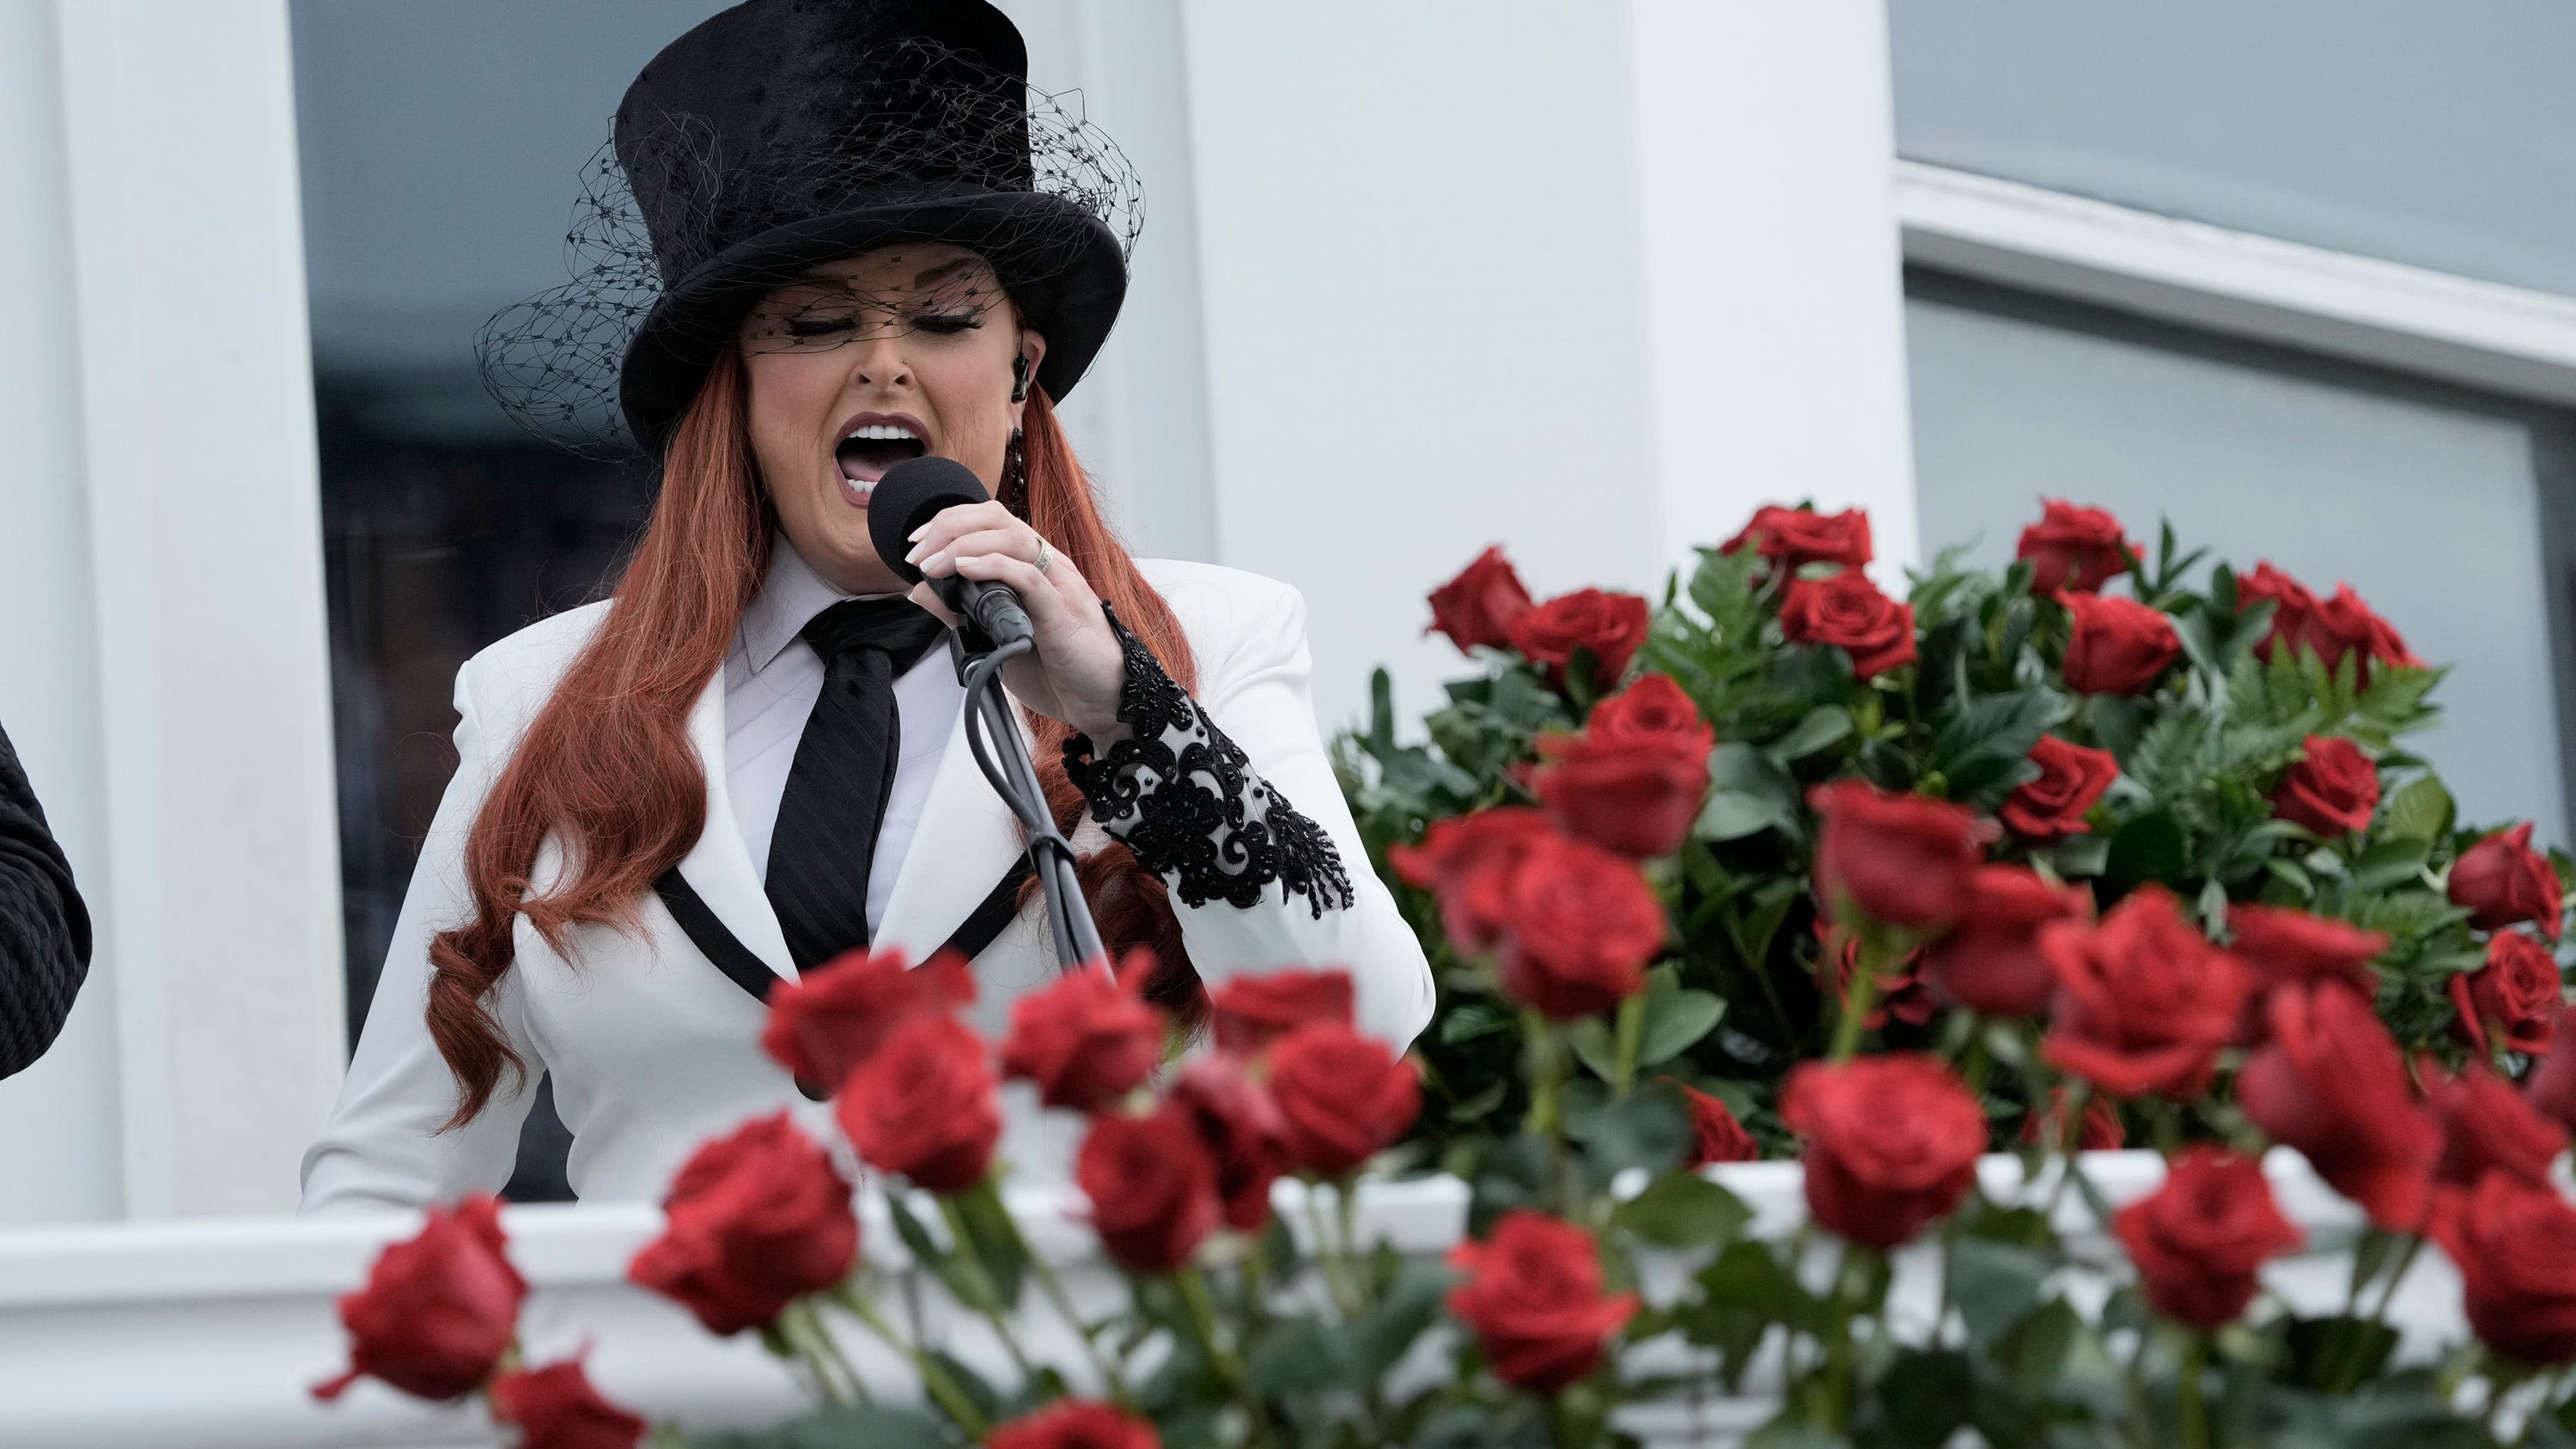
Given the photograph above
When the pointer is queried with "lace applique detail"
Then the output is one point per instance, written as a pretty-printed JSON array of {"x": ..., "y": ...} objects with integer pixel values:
[{"x": 1187, "y": 801}]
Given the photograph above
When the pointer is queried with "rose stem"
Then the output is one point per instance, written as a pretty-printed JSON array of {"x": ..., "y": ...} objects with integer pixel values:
[
  {"x": 2195, "y": 1417},
  {"x": 988, "y": 1292},
  {"x": 951, "y": 1398},
  {"x": 1632, "y": 1028},
  {"x": 1202, "y": 1315}
]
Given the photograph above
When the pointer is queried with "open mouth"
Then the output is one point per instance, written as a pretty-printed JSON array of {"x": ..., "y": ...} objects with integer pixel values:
[{"x": 869, "y": 450}]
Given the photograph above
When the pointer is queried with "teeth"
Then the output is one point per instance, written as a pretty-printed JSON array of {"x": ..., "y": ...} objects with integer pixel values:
[{"x": 883, "y": 432}]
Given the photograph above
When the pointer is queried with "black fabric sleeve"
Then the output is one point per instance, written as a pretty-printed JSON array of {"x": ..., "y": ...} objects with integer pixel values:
[
  {"x": 1187, "y": 801},
  {"x": 44, "y": 928}
]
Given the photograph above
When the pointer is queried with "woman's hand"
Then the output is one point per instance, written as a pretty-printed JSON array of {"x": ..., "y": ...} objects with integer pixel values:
[{"x": 1078, "y": 668}]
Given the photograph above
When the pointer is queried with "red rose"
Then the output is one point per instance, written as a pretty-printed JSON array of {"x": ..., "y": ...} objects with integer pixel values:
[
  {"x": 755, "y": 1220},
  {"x": 1152, "y": 1185},
  {"x": 1532, "y": 1296},
  {"x": 843, "y": 1010},
  {"x": 2551, "y": 1083},
  {"x": 1608, "y": 626},
  {"x": 1241, "y": 1127},
  {"x": 1848, "y": 612},
  {"x": 1250, "y": 1012},
  {"x": 556, "y": 1407},
  {"x": 922, "y": 1107},
  {"x": 1632, "y": 781},
  {"x": 2504, "y": 882},
  {"x": 438, "y": 1309},
  {"x": 1579, "y": 926},
  {"x": 1651, "y": 710},
  {"x": 2515, "y": 996},
  {"x": 2118, "y": 646},
  {"x": 2101, "y": 1130},
  {"x": 2329, "y": 1082},
  {"x": 1075, "y": 1424},
  {"x": 2283, "y": 946},
  {"x": 2294, "y": 606},
  {"x": 1900, "y": 994},
  {"x": 1892, "y": 1143},
  {"x": 1990, "y": 962},
  {"x": 2071, "y": 779},
  {"x": 1899, "y": 860},
  {"x": 1481, "y": 604},
  {"x": 1342, "y": 1097},
  {"x": 1794, "y": 537},
  {"x": 1469, "y": 861},
  {"x": 2345, "y": 625},
  {"x": 2487, "y": 1126},
  {"x": 2144, "y": 1001},
  {"x": 1715, "y": 1134},
  {"x": 2515, "y": 1247},
  {"x": 2199, "y": 1239},
  {"x": 2072, "y": 549},
  {"x": 1087, "y": 1038},
  {"x": 2332, "y": 790}
]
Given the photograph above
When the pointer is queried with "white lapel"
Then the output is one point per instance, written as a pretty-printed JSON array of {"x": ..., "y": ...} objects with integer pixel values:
[
  {"x": 719, "y": 866},
  {"x": 966, "y": 841}
]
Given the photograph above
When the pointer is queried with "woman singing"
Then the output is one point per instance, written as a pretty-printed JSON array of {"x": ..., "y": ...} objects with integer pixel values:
[{"x": 862, "y": 239}]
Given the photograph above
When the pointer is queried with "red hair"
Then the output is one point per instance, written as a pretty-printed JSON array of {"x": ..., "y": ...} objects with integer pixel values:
[{"x": 606, "y": 769}]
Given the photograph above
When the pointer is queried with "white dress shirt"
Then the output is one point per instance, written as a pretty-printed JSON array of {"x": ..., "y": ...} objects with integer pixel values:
[{"x": 771, "y": 680}]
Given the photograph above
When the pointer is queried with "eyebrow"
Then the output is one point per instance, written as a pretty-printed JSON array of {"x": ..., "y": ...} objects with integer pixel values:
[{"x": 955, "y": 264}]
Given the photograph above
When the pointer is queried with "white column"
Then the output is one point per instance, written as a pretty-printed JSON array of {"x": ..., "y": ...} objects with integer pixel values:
[
  {"x": 220, "y": 902},
  {"x": 1587, "y": 280},
  {"x": 58, "y": 1119},
  {"x": 1773, "y": 284}
]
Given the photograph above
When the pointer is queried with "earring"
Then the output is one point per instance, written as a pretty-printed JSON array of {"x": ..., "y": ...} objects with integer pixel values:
[
  {"x": 1015, "y": 477},
  {"x": 1020, "y": 378}
]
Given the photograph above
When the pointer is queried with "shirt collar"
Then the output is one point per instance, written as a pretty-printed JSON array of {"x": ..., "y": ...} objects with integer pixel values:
[{"x": 790, "y": 595}]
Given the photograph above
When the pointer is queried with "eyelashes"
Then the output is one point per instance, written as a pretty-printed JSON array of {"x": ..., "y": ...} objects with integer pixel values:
[{"x": 942, "y": 323}]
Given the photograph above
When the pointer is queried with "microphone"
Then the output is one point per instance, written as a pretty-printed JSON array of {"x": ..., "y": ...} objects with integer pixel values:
[{"x": 908, "y": 496}]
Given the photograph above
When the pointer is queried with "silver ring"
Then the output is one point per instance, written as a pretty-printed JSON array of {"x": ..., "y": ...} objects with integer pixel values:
[{"x": 1043, "y": 558}]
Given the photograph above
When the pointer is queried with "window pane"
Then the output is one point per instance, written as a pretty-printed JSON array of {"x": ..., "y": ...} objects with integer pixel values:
[
  {"x": 2428, "y": 503},
  {"x": 2431, "y": 134}
]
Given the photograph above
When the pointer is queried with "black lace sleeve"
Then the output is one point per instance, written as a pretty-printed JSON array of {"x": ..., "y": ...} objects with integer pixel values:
[{"x": 1186, "y": 800}]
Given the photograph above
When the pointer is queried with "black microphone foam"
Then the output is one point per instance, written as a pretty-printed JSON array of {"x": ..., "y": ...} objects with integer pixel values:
[{"x": 908, "y": 496}]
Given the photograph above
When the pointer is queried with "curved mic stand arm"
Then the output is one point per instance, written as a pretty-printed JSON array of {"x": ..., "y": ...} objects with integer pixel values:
[{"x": 994, "y": 737}]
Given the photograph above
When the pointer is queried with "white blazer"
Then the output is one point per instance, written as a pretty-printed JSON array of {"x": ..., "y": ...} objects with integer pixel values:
[{"x": 653, "y": 1050}]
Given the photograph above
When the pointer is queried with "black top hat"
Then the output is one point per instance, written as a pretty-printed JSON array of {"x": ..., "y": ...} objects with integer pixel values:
[{"x": 784, "y": 133}]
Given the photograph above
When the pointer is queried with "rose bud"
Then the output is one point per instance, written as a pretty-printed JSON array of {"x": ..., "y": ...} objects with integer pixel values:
[
  {"x": 1638, "y": 799},
  {"x": 2551, "y": 1082},
  {"x": 2118, "y": 646},
  {"x": 2071, "y": 549},
  {"x": 1579, "y": 926},
  {"x": 2514, "y": 998},
  {"x": 2515, "y": 1247},
  {"x": 1898, "y": 860},
  {"x": 1152, "y": 1186},
  {"x": 1891, "y": 1143},
  {"x": 2328, "y": 1081},
  {"x": 2504, "y": 882},
  {"x": 1075, "y": 1424},
  {"x": 1651, "y": 710},
  {"x": 2487, "y": 1126},
  {"x": 841, "y": 1013},
  {"x": 1990, "y": 962},
  {"x": 1715, "y": 1134},
  {"x": 1243, "y": 1132},
  {"x": 1469, "y": 862},
  {"x": 2294, "y": 607},
  {"x": 556, "y": 1407},
  {"x": 2144, "y": 1001},
  {"x": 2072, "y": 778},
  {"x": 2199, "y": 1239},
  {"x": 2332, "y": 790},
  {"x": 1849, "y": 613},
  {"x": 2280, "y": 946},
  {"x": 437, "y": 1310},
  {"x": 1481, "y": 604},
  {"x": 1250, "y": 1012},
  {"x": 1531, "y": 1293},
  {"x": 755, "y": 1220},
  {"x": 1900, "y": 994},
  {"x": 2101, "y": 1130},
  {"x": 1087, "y": 1038},
  {"x": 1609, "y": 626},
  {"x": 1794, "y": 537},
  {"x": 922, "y": 1107},
  {"x": 2345, "y": 625},
  {"x": 1343, "y": 1097}
]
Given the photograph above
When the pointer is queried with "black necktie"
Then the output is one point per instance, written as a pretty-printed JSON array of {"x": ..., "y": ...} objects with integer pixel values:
[{"x": 836, "y": 790}]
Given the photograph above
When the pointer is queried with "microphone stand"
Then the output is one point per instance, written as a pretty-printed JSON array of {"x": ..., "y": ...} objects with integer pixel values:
[{"x": 994, "y": 737}]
